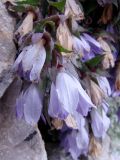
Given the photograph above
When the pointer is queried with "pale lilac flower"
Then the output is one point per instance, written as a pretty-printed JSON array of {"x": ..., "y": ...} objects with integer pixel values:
[
  {"x": 86, "y": 46},
  {"x": 99, "y": 123},
  {"x": 76, "y": 141},
  {"x": 81, "y": 47},
  {"x": 29, "y": 105},
  {"x": 94, "y": 44},
  {"x": 56, "y": 110},
  {"x": 30, "y": 61},
  {"x": 104, "y": 85},
  {"x": 68, "y": 95}
]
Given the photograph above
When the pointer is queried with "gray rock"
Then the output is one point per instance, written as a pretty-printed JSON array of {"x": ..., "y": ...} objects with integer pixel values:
[
  {"x": 55, "y": 152},
  {"x": 7, "y": 48},
  {"x": 18, "y": 140}
]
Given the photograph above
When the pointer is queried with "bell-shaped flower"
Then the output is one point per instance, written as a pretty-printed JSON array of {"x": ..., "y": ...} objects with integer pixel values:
[
  {"x": 56, "y": 110},
  {"x": 27, "y": 25},
  {"x": 29, "y": 105},
  {"x": 30, "y": 62},
  {"x": 99, "y": 123},
  {"x": 68, "y": 95},
  {"x": 104, "y": 85},
  {"x": 64, "y": 37},
  {"x": 94, "y": 44},
  {"x": 82, "y": 47},
  {"x": 73, "y": 10},
  {"x": 76, "y": 141},
  {"x": 108, "y": 60},
  {"x": 95, "y": 92}
]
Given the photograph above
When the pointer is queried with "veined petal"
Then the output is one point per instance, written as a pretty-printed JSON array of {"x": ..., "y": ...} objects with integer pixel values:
[
  {"x": 104, "y": 85},
  {"x": 77, "y": 45},
  {"x": 94, "y": 44},
  {"x": 32, "y": 105},
  {"x": 38, "y": 65},
  {"x": 20, "y": 106},
  {"x": 29, "y": 57},
  {"x": 85, "y": 44},
  {"x": 67, "y": 92},
  {"x": 19, "y": 59},
  {"x": 100, "y": 123},
  {"x": 56, "y": 109},
  {"x": 85, "y": 103}
]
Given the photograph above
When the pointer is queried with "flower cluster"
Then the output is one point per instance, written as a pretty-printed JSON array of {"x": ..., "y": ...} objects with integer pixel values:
[{"x": 65, "y": 66}]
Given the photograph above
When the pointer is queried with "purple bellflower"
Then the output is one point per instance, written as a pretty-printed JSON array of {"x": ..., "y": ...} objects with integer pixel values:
[
  {"x": 70, "y": 97},
  {"x": 30, "y": 62},
  {"x": 29, "y": 105},
  {"x": 104, "y": 85},
  {"x": 100, "y": 123},
  {"x": 76, "y": 141},
  {"x": 86, "y": 46}
]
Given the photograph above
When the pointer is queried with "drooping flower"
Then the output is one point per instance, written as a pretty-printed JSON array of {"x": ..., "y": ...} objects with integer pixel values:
[
  {"x": 104, "y": 85},
  {"x": 68, "y": 96},
  {"x": 86, "y": 46},
  {"x": 27, "y": 25},
  {"x": 29, "y": 105},
  {"x": 81, "y": 47},
  {"x": 108, "y": 60},
  {"x": 30, "y": 62},
  {"x": 56, "y": 110},
  {"x": 94, "y": 44},
  {"x": 99, "y": 123},
  {"x": 73, "y": 10},
  {"x": 64, "y": 37},
  {"x": 76, "y": 141}
]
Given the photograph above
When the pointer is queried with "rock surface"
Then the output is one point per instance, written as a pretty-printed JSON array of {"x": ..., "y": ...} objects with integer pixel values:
[
  {"x": 18, "y": 140},
  {"x": 7, "y": 48}
]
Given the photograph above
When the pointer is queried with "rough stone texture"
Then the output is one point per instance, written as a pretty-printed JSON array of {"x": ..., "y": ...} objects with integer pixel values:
[
  {"x": 56, "y": 153},
  {"x": 7, "y": 48},
  {"x": 18, "y": 140}
]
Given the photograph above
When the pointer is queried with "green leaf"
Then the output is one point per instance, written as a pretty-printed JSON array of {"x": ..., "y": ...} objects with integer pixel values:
[
  {"x": 95, "y": 61},
  {"x": 29, "y": 2},
  {"x": 59, "y": 5},
  {"x": 18, "y": 8},
  {"x": 61, "y": 49},
  {"x": 39, "y": 27}
]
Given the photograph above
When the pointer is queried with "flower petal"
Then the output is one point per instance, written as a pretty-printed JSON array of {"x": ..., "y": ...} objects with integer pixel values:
[
  {"x": 20, "y": 106},
  {"x": 56, "y": 109},
  {"x": 32, "y": 105},
  {"x": 38, "y": 65}
]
